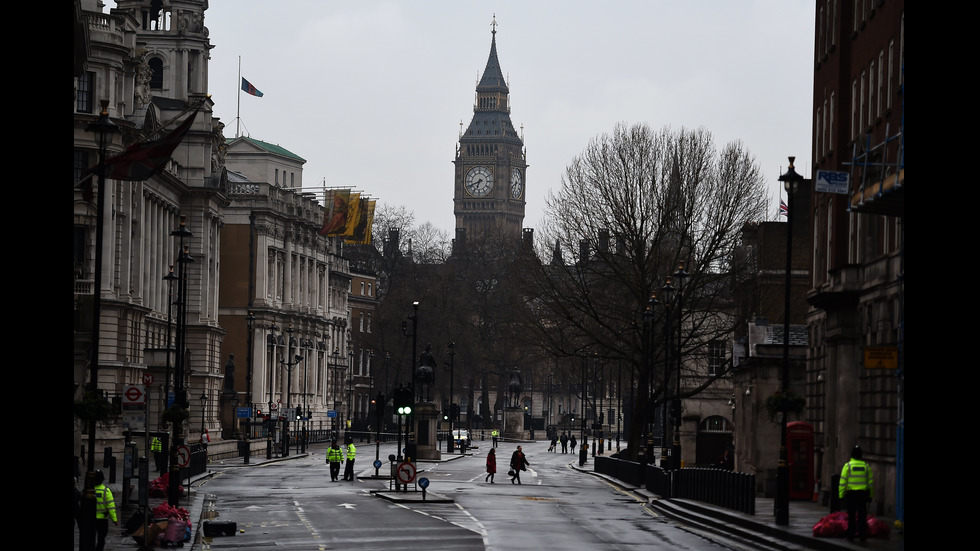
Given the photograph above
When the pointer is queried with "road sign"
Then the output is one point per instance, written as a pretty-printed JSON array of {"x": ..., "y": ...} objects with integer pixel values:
[
  {"x": 147, "y": 379},
  {"x": 423, "y": 482},
  {"x": 183, "y": 456},
  {"x": 881, "y": 357},
  {"x": 377, "y": 463},
  {"x": 133, "y": 394},
  {"x": 331, "y": 413},
  {"x": 405, "y": 472},
  {"x": 243, "y": 412},
  {"x": 831, "y": 181}
]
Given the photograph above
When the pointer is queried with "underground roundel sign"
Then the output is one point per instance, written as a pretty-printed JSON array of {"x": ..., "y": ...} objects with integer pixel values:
[{"x": 406, "y": 472}]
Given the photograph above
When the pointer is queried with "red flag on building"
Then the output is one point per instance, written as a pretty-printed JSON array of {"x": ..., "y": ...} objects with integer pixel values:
[{"x": 142, "y": 160}]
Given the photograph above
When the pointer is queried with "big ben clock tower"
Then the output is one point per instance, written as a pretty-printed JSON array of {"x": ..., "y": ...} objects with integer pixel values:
[{"x": 490, "y": 164}]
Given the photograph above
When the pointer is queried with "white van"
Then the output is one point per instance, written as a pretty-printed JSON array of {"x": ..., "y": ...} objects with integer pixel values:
[{"x": 461, "y": 434}]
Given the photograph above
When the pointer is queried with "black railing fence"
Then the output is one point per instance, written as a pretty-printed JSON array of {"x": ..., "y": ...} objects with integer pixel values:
[{"x": 723, "y": 488}]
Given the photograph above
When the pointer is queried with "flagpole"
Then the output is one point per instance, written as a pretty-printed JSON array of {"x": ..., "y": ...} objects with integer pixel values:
[{"x": 238, "y": 109}]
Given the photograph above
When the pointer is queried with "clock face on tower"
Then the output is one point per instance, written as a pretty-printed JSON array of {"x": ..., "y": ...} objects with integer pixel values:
[
  {"x": 479, "y": 181},
  {"x": 516, "y": 184}
]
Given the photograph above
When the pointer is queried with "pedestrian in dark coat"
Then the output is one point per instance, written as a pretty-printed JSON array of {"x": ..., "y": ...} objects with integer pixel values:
[
  {"x": 564, "y": 442},
  {"x": 574, "y": 443},
  {"x": 518, "y": 463},
  {"x": 491, "y": 466}
]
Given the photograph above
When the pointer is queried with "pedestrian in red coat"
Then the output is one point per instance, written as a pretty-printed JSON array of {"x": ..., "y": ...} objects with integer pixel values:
[
  {"x": 518, "y": 463},
  {"x": 491, "y": 466}
]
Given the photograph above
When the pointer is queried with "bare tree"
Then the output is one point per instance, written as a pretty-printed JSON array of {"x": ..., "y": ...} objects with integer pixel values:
[{"x": 632, "y": 207}]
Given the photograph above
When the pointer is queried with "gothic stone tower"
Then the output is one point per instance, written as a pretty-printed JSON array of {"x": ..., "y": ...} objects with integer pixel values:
[{"x": 490, "y": 161}]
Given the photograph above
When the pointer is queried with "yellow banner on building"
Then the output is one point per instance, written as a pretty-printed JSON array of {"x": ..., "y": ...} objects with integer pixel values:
[{"x": 363, "y": 220}]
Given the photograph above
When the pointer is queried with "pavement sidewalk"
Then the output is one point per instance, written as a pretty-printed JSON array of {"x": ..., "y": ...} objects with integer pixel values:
[{"x": 761, "y": 527}]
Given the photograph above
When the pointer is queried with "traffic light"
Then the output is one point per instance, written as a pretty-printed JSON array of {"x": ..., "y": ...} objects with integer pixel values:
[
  {"x": 445, "y": 414},
  {"x": 403, "y": 400},
  {"x": 379, "y": 405},
  {"x": 454, "y": 412}
]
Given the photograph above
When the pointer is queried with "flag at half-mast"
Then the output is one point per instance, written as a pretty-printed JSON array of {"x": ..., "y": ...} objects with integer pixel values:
[
  {"x": 142, "y": 160},
  {"x": 783, "y": 208},
  {"x": 248, "y": 88}
]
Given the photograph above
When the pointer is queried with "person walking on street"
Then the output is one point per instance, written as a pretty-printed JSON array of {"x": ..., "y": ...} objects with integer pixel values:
[
  {"x": 105, "y": 510},
  {"x": 334, "y": 457},
  {"x": 205, "y": 440},
  {"x": 159, "y": 459},
  {"x": 574, "y": 443},
  {"x": 491, "y": 466},
  {"x": 518, "y": 463},
  {"x": 351, "y": 453},
  {"x": 857, "y": 486}
]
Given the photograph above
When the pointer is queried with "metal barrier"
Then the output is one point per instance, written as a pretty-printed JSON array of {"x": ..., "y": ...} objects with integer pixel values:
[
  {"x": 657, "y": 480},
  {"x": 728, "y": 489}
]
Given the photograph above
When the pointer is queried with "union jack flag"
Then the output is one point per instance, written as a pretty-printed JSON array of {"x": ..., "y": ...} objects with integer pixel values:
[{"x": 783, "y": 208}]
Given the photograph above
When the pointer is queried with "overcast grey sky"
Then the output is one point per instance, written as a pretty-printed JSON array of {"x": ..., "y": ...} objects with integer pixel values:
[{"x": 371, "y": 93}]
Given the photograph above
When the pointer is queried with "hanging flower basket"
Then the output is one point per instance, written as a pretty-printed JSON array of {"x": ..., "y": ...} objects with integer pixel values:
[
  {"x": 94, "y": 407},
  {"x": 175, "y": 415},
  {"x": 784, "y": 402}
]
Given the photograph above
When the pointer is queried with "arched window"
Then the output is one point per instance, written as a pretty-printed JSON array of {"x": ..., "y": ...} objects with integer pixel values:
[
  {"x": 716, "y": 424},
  {"x": 156, "y": 79}
]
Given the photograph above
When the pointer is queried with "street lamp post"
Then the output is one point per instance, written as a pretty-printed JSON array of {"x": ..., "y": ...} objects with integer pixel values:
[
  {"x": 307, "y": 346},
  {"x": 350, "y": 390},
  {"x": 180, "y": 394},
  {"x": 415, "y": 331},
  {"x": 169, "y": 278},
  {"x": 336, "y": 390},
  {"x": 271, "y": 341},
  {"x": 289, "y": 364},
  {"x": 791, "y": 181},
  {"x": 649, "y": 332},
  {"x": 452, "y": 355},
  {"x": 680, "y": 275},
  {"x": 204, "y": 405},
  {"x": 102, "y": 127},
  {"x": 668, "y": 294},
  {"x": 250, "y": 321}
]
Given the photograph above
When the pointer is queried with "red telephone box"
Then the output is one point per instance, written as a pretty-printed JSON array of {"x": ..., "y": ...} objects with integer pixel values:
[{"x": 799, "y": 450}]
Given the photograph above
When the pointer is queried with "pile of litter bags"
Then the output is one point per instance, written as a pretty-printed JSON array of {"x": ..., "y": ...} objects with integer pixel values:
[{"x": 834, "y": 525}]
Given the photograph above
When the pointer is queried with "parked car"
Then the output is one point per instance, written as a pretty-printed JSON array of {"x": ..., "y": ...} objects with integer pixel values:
[{"x": 461, "y": 436}]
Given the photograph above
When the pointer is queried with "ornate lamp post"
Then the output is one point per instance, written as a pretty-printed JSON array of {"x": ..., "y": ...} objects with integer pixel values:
[
  {"x": 668, "y": 293},
  {"x": 307, "y": 345},
  {"x": 204, "y": 405},
  {"x": 452, "y": 411},
  {"x": 791, "y": 181},
  {"x": 649, "y": 319},
  {"x": 336, "y": 390},
  {"x": 680, "y": 275},
  {"x": 250, "y": 321},
  {"x": 271, "y": 341},
  {"x": 102, "y": 127},
  {"x": 180, "y": 393}
]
